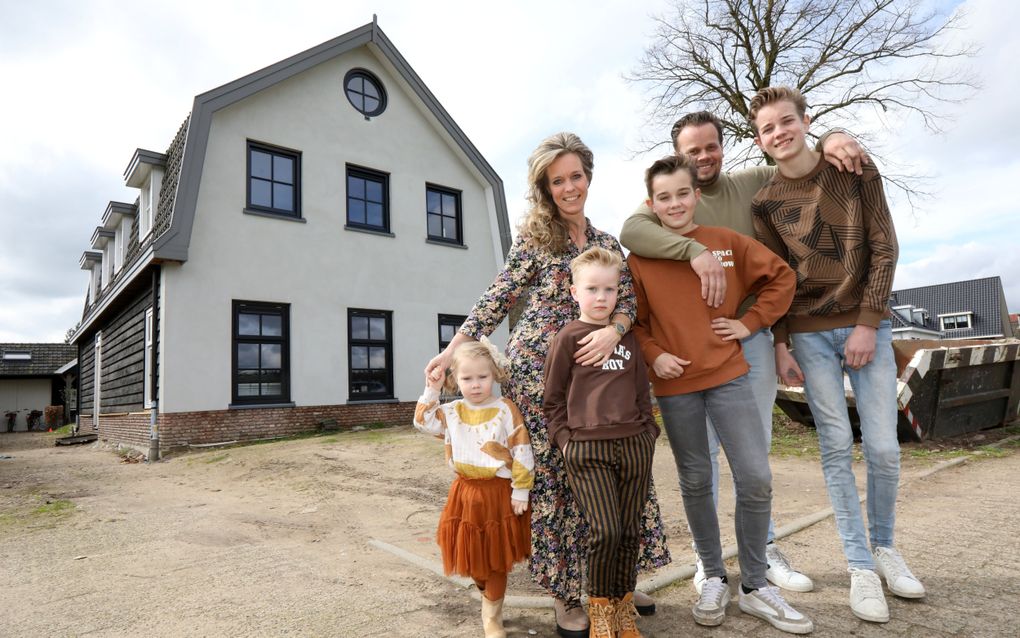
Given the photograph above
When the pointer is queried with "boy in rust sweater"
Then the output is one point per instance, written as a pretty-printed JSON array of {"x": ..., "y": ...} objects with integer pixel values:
[
  {"x": 601, "y": 419},
  {"x": 835, "y": 230},
  {"x": 698, "y": 370}
]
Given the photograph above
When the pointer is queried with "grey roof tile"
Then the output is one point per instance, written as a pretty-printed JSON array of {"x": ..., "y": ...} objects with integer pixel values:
[
  {"x": 983, "y": 297},
  {"x": 46, "y": 358}
]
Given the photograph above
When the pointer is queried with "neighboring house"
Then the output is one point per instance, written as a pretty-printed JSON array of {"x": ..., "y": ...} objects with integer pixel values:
[
  {"x": 311, "y": 237},
  {"x": 33, "y": 376},
  {"x": 1014, "y": 321},
  {"x": 973, "y": 309}
]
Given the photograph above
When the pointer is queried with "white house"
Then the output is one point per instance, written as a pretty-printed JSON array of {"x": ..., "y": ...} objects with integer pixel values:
[{"x": 306, "y": 243}]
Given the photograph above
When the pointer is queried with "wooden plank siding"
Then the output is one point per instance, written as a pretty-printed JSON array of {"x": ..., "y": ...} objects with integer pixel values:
[
  {"x": 86, "y": 375},
  {"x": 123, "y": 360}
]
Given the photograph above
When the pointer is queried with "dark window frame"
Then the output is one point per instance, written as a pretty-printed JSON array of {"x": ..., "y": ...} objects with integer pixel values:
[
  {"x": 458, "y": 215},
  {"x": 239, "y": 307},
  {"x": 273, "y": 151},
  {"x": 448, "y": 320},
  {"x": 368, "y": 174},
  {"x": 387, "y": 315},
  {"x": 372, "y": 78}
]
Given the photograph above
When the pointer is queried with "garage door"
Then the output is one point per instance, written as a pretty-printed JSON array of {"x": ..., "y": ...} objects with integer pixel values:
[{"x": 23, "y": 396}]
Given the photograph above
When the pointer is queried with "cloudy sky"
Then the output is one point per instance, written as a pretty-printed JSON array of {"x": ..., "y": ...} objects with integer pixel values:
[{"x": 86, "y": 83}]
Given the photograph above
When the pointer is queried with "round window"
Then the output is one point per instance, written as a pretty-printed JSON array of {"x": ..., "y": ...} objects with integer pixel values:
[{"x": 365, "y": 92}]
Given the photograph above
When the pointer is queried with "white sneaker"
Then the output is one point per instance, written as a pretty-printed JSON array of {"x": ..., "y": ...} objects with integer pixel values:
[
  {"x": 891, "y": 566},
  {"x": 768, "y": 604},
  {"x": 699, "y": 575},
  {"x": 710, "y": 609},
  {"x": 781, "y": 574},
  {"x": 866, "y": 598}
]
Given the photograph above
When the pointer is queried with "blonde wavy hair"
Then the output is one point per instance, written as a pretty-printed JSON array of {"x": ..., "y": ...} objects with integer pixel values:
[
  {"x": 543, "y": 226},
  {"x": 481, "y": 349}
]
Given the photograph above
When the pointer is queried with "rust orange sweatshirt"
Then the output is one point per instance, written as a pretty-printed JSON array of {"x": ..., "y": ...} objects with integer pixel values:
[{"x": 672, "y": 317}]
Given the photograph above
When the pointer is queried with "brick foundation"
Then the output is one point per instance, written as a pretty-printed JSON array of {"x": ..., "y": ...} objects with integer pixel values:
[
  {"x": 131, "y": 429},
  {"x": 178, "y": 430}
]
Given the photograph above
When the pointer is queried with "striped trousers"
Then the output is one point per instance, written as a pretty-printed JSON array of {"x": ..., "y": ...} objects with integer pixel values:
[{"x": 609, "y": 480}]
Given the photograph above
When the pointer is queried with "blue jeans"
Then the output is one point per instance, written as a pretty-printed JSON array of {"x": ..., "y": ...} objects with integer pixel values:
[
  {"x": 732, "y": 408},
  {"x": 761, "y": 356},
  {"x": 820, "y": 357}
]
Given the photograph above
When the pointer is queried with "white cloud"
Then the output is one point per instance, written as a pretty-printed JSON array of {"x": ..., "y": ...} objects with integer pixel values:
[
  {"x": 950, "y": 262},
  {"x": 87, "y": 83}
]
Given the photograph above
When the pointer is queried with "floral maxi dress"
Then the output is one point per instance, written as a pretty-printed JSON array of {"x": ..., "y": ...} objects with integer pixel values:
[{"x": 558, "y": 530}]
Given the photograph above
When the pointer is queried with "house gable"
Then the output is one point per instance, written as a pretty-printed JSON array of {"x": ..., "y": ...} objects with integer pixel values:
[{"x": 174, "y": 243}]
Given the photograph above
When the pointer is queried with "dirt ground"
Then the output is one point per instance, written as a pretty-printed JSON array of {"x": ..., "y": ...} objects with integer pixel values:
[{"x": 274, "y": 539}]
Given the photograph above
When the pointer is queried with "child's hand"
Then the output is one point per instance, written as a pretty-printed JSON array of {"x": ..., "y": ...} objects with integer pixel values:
[
  {"x": 519, "y": 507},
  {"x": 434, "y": 380},
  {"x": 669, "y": 366},
  {"x": 730, "y": 329}
]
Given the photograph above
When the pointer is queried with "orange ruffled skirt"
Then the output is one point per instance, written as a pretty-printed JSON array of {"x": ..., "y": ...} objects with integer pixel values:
[{"x": 479, "y": 533}]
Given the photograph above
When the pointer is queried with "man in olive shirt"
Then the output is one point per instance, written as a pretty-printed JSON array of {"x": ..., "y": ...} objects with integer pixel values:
[{"x": 726, "y": 201}]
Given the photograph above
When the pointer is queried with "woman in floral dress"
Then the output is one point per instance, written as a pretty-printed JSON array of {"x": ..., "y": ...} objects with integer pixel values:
[{"x": 538, "y": 264}]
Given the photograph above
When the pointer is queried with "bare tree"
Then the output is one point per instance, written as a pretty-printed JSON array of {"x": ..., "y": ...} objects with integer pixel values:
[{"x": 850, "y": 59}]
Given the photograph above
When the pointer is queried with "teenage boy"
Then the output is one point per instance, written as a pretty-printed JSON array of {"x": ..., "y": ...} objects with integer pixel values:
[
  {"x": 836, "y": 232},
  {"x": 601, "y": 420},
  {"x": 698, "y": 371},
  {"x": 726, "y": 201}
]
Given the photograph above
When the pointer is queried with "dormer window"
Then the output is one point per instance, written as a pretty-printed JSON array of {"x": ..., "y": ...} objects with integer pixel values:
[
  {"x": 118, "y": 249},
  {"x": 103, "y": 240},
  {"x": 117, "y": 227},
  {"x": 148, "y": 202},
  {"x": 17, "y": 355},
  {"x": 92, "y": 262},
  {"x": 145, "y": 172},
  {"x": 956, "y": 321}
]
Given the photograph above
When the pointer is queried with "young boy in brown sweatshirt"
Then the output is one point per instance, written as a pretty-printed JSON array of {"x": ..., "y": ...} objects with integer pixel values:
[
  {"x": 698, "y": 369},
  {"x": 601, "y": 420},
  {"x": 835, "y": 230}
]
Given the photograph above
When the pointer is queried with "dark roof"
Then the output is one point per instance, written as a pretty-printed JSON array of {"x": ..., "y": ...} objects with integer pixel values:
[
  {"x": 982, "y": 297},
  {"x": 46, "y": 359}
]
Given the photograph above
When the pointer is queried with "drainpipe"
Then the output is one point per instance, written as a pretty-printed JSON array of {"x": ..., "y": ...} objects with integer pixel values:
[{"x": 154, "y": 431}]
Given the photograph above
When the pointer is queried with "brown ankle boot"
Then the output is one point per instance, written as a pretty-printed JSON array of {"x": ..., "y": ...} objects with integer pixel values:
[
  {"x": 601, "y": 616},
  {"x": 625, "y": 616},
  {"x": 492, "y": 618}
]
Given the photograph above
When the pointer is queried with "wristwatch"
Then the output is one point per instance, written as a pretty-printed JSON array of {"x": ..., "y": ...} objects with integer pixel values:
[{"x": 620, "y": 330}]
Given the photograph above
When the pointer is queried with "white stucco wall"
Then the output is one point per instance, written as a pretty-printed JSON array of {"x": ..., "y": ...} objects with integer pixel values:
[
  {"x": 318, "y": 267},
  {"x": 23, "y": 396}
]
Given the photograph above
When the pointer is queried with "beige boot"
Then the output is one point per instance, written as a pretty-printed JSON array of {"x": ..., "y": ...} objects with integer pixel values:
[
  {"x": 625, "y": 616},
  {"x": 601, "y": 614},
  {"x": 492, "y": 618}
]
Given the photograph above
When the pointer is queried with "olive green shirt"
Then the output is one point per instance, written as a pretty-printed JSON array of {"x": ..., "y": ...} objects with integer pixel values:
[{"x": 725, "y": 203}]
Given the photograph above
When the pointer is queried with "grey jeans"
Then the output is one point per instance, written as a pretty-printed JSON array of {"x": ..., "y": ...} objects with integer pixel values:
[{"x": 734, "y": 413}]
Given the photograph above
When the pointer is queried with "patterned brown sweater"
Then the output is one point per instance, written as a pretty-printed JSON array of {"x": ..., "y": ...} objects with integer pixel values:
[{"x": 835, "y": 230}]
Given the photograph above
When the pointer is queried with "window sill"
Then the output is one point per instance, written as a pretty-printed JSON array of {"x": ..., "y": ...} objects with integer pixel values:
[
  {"x": 368, "y": 401},
  {"x": 448, "y": 244},
  {"x": 369, "y": 231},
  {"x": 259, "y": 406},
  {"x": 282, "y": 216}
]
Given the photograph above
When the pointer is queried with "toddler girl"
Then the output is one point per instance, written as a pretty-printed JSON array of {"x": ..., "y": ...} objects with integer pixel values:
[{"x": 485, "y": 527}]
